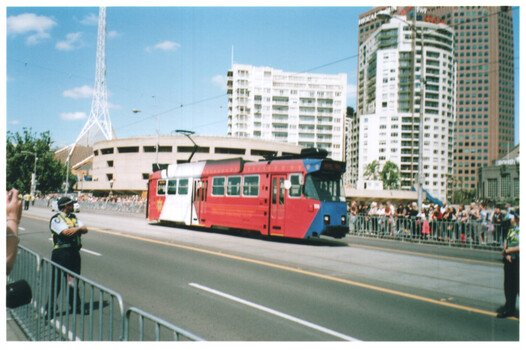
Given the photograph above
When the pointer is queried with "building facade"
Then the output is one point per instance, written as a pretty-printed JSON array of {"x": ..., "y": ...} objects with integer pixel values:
[
  {"x": 484, "y": 55},
  {"x": 392, "y": 63},
  {"x": 124, "y": 165},
  {"x": 299, "y": 108},
  {"x": 500, "y": 182}
]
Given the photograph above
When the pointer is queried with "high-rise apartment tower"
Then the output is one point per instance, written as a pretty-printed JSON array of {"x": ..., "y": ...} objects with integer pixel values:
[
  {"x": 406, "y": 81},
  {"x": 305, "y": 109},
  {"x": 484, "y": 56}
]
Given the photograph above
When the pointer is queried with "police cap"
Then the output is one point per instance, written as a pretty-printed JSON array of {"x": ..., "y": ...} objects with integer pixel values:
[{"x": 62, "y": 202}]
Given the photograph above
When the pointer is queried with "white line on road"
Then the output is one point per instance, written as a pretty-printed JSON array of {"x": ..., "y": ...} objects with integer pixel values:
[
  {"x": 86, "y": 250},
  {"x": 90, "y": 252},
  {"x": 274, "y": 312}
]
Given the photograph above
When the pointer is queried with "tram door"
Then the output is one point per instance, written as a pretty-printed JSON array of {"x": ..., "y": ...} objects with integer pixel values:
[
  {"x": 277, "y": 206},
  {"x": 198, "y": 194}
]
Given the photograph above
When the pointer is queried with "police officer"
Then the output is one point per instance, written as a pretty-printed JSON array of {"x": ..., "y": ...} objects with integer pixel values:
[
  {"x": 511, "y": 269},
  {"x": 66, "y": 230}
]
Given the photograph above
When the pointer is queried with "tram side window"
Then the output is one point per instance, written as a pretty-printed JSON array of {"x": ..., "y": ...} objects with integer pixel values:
[
  {"x": 172, "y": 186},
  {"x": 183, "y": 186},
  {"x": 251, "y": 186},
  {"x": 161, "y": 187},
  {"x": 218, "y": 186},
  {"x": 233, "y": 187},
  {"x": 295, "y": 188}
]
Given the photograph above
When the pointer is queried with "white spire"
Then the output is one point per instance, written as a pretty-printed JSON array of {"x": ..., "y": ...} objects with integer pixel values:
[{"x": 98, "y": 127}]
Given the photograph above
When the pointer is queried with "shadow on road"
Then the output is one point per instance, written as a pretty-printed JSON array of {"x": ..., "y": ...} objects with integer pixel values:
[{"x": 325, "y": 242}]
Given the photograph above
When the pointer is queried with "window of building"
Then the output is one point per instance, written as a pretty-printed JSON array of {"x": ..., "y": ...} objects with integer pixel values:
[
  {"x": 129, "y": 149},
  {"x": 106, "y": 151},
  {"x": 505, "y": 186}
]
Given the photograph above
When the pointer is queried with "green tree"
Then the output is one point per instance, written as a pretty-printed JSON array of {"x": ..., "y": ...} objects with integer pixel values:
[
  {"x": 371, "y": 170},
  {"x": 20, "y": 161},
  {"x": 390, "y": 176}
]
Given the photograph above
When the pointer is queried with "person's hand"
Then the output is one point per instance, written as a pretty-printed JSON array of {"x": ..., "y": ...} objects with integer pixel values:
[{"x": 13, "y": 206}]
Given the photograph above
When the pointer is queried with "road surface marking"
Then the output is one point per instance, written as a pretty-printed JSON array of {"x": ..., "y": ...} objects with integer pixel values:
[
  {"x": 298, "y": 270},
  {"x": 85, "y": 250},
  {"x": 90, "y": 252},
  {"x": 274, "y": 312}
]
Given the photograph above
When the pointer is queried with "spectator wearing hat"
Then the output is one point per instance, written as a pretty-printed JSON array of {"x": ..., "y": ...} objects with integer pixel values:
[{"x": 66, "y": 230}]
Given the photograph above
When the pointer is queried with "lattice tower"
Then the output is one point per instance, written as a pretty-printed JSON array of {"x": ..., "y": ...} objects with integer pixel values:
[{"x": 98, "y": 127}]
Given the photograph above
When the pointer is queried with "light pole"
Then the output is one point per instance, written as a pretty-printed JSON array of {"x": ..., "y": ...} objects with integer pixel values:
[
  {"x": 420, "y": 176},
  {"x": 34, "y": 174}
]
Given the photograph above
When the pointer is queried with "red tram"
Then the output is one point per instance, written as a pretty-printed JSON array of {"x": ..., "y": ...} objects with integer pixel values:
[{"x": 298, "y": 196}]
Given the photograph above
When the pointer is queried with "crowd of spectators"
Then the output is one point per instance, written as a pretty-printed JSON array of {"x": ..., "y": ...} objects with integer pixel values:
[
  {"x": 120, "y": 203},
  {"x": 475, "y": 224}
]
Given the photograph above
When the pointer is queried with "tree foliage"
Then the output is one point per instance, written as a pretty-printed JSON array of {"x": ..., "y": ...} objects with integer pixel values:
[
  {"x": 371, "y": 170},
  {"x": 390, "y": 176},
  {"x": 20, "y": 162}
]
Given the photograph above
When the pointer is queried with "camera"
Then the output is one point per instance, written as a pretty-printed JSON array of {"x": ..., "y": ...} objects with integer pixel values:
[{"x": 18, "y": 294}]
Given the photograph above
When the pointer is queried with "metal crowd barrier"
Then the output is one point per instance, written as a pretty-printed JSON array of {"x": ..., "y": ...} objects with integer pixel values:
[
  {"x": 66, "y": 306},
  {"x": 65, "y": 298},
  {"x": 471, "y": 233},
  {"x": 121, "y": 207},
  {"x": 27, "y": 268},
  {"x": 125, "y": 207},
  {"x": 146, "y": 320}
]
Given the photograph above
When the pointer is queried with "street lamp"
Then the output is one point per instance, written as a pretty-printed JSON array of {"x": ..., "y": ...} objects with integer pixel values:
[
  {"x": 34, "y": 174},
  {"x": 420, "y": 176}
]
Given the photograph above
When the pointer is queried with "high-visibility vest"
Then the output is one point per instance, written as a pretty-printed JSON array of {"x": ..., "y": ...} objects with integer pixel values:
[{"x": 60, "y": 240}]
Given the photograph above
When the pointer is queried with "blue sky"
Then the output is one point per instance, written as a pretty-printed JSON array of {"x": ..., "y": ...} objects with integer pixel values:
[{"x": 166, "y": 61}]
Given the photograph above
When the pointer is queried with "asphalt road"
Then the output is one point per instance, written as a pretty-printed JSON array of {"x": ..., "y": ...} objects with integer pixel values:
[{"x": 234, "y": 286}]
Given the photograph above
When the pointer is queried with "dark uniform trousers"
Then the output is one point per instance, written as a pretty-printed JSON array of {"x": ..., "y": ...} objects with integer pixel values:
[
  {"x": 70, "y": 259},
  {"x": 511, "y": 283}
]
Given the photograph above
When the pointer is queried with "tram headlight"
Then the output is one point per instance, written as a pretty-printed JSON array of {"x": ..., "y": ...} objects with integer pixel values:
[
  {"x": 344, "y": 219},
  {"x": 326, "y": 219}
]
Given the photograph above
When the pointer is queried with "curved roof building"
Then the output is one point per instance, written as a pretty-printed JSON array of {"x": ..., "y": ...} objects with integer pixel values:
[{"x": 123, "y": 165}]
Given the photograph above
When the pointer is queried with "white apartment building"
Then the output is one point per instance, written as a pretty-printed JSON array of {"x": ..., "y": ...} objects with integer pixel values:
[
  {"x": 304, "y": 109},
  {"x": 389, "y": 102}
]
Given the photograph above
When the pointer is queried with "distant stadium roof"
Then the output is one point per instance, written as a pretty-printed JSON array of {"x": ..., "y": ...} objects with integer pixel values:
[{"x": 80, "y": 155}]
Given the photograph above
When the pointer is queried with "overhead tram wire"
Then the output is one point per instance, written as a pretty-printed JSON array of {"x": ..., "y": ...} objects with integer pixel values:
[{"x": 182, "y": 105}]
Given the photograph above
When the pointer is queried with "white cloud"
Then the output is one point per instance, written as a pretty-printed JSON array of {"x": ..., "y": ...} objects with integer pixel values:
[
  {"x": 113, "y": 34},
  {"x": 90, "y": 20},
  {"x": 73, "y": 41},
  {"x": 164, "y": 46},
  {"x": 79, "y": 92},
  {"x": 36, "y": 27},
  {"x": 73, "y": 116},
  {"x": 220, "y": 81},
  {"x": 113, "y": 106},
  {"x": 14, "y": 122}
]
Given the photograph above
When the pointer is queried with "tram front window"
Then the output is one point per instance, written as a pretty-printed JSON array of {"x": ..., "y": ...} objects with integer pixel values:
[{"x": 324, "y": 188}]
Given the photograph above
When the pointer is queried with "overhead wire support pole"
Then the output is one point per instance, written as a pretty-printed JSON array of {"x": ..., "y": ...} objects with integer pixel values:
[{"x": 187, "y": 133}]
